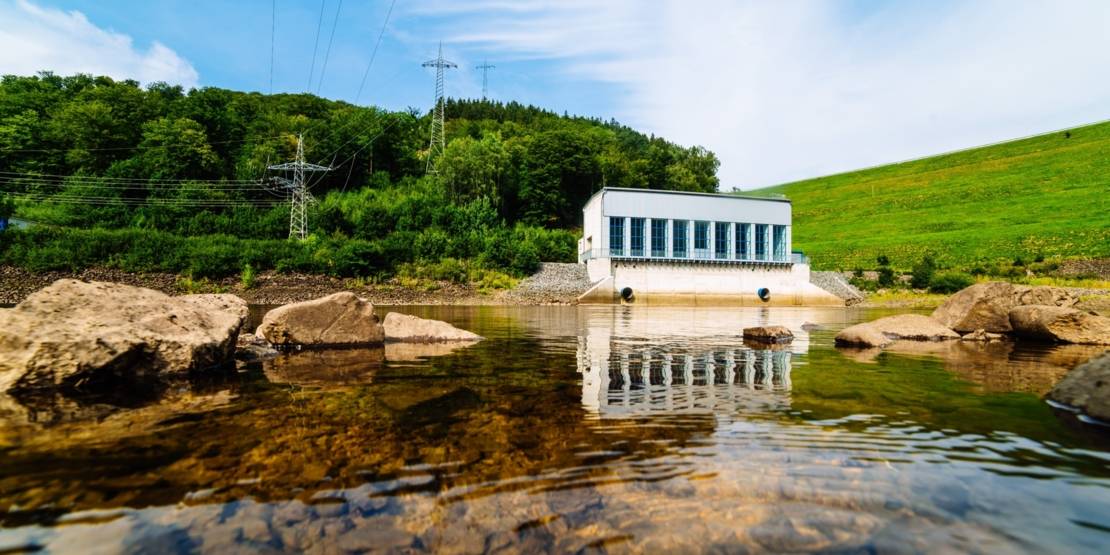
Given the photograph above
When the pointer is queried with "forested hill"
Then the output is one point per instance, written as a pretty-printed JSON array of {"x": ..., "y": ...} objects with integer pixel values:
[
  {"x": 97, "y": 159},
  {"x": 532, "y": 164}
]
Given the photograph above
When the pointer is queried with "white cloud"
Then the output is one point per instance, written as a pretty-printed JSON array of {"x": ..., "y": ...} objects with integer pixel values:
[
  {"x": 788, "y": 90},
  {"x": 33, "y": 38}
]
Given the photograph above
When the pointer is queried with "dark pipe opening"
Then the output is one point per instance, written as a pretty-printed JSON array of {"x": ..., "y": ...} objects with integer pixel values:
[
  {"x": 626, "y": 293},
  {"x": 764, "y": 294}
]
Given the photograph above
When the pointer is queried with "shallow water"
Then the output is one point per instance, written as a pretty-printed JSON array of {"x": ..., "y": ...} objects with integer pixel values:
[{"x": 592, "y": 429}]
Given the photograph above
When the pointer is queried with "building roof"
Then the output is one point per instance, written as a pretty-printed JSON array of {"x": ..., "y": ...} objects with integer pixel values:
[{"x": 691, "y": 193}]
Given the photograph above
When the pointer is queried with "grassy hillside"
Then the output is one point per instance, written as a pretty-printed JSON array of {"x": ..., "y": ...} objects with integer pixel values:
[{"x": 1042, "y": 197}]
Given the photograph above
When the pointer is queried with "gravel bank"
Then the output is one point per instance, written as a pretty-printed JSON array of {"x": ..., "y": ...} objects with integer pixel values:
[
  {"x": 837, "y": 284},
  {"x": 555, "y": 283}
]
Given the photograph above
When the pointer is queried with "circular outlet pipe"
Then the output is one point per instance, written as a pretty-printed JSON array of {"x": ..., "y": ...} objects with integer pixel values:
[
  {"x": 764, "y": 294},
  {"x": 626, "y": 293}
]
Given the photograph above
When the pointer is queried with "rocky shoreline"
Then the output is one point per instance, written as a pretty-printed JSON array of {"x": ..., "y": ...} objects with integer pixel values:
[{"x": 271, "y": 288}]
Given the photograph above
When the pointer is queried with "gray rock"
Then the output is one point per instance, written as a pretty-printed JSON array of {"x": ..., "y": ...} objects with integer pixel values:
[
  {"x": 73, "y": 331},
  {"x": 987, "y": 306},
  {"x": 983, "y": 335},
  {"x": 411, "y": 329},
  {"x": 338, "y": 319},
  {"x": 1087, "y": 388},
  {"x": 1060, "y": 324},
  {"x": 882, "y": 332},
  {"x": 768, "y": 334}
]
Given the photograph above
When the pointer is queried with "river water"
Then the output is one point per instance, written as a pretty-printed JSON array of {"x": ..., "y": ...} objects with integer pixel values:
[{"x": 573, "y": 429}]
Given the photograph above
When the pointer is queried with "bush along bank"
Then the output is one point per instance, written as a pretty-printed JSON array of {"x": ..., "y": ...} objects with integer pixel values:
[{"x": 515, "y": 251}]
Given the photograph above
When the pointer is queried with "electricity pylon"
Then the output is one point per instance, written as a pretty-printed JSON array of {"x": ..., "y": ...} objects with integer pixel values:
[
  {"x": 298, "y": 190},
  {"x": 436, "y": 144},
  {"x": 485, "y": 67}
]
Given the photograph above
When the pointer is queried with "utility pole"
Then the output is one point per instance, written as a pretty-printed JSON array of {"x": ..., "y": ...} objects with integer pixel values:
[
  {"x": 436, "y": 145},
  {"x": 298, "y": 190},
  {"x": 485, "y": 67}
]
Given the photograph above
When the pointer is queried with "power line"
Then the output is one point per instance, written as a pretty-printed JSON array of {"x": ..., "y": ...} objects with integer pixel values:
[
  {"x": 437, "y": 143},
  {"x": 327, "y": 53},
  {"x": 316, "y": 46},
  {"x": 94, "y": 179},
  {"x": 149, "y": 201},
  {"x": 374, "y": 54},
  {"x": 137, "y": 147}
]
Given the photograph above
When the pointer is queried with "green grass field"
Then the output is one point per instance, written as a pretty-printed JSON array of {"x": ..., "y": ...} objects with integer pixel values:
[{"x": 1046, "y": 196}]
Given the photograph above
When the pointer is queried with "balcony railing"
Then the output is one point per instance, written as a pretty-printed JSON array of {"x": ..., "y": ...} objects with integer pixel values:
[{"x": 695, "y": 255}]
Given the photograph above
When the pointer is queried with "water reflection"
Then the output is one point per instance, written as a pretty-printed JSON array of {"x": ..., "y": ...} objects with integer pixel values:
[
  {"x": 575, "y": 430},
  {"x": 637, "y": 361}
]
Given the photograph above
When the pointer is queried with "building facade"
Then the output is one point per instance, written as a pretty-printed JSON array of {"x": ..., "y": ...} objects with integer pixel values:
[{"x": 669, "y": 247}]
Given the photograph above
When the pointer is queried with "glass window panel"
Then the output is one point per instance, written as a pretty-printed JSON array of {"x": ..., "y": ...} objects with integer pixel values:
[
  {"x": 720, "y": 240},
  {"x": 616, "y": 236},
  {"x": 678, "y": 243},
  {"x": 779, "y": 242},
  {"x": 637, "y": 237},
  {"x": 761, "y": 242},
  {"x": 658, "y": 238},
  {"x": 743, "y": 234},
  {"x": 701, "y": 239}
]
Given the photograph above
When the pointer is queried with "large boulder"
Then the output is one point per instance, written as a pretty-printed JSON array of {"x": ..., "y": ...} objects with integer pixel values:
[
  {"x": 1060, "y": 324},
  {"x": 411, "y": 329},
  {"x": 338, "y": 319},
  {"x": 1087, "y": 387},
  {"x": 986, "y": 306},
  {"x": 768, "y": 334},
  {"x": 75, "y": 332},
  {"x": 882, "y": 332}
]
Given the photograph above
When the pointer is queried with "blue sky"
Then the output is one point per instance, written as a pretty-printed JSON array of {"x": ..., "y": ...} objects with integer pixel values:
[{"x": 779, "y": 90}]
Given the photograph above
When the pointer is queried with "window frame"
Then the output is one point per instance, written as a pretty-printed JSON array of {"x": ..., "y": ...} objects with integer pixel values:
[
  {"x": 721, "y": 241},
  {"x": 658, "y": 224},
  {"x": 632, "y": 250},
  {"x": 616, "y": 248},
  {"x": 679, "y": 240}
]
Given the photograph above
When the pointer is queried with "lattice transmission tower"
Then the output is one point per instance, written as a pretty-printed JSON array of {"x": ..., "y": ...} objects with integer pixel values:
[
  {"x": 299, "y": 197},
  {"x": 436, "y": 144},
  {"x": 485, "y": 67}
]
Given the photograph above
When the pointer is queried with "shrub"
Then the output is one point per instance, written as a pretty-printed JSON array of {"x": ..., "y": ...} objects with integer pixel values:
[
  {"x": 923, "y": 272},
  {"x": 950, "y": 282},
  {"x": 864, "y": 284},
  {"x": 886, "y": 276},
  {"x": 247, "y": 277},
  {"x": 883, "y": 260},
  {"x": 858, "y": 272}
]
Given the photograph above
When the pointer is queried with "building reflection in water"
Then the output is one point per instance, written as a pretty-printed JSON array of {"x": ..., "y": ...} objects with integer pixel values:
[{"x": 640, "y": 362}]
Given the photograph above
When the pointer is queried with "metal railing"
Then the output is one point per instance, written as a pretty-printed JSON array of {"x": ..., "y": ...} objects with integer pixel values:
[{"x": 694, "y": 255}]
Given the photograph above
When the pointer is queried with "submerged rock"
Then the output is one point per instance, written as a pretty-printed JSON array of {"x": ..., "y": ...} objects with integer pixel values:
[
  {"x": 1087, "y": 388},
  {"x": 325, "y": 366},
  {"x": 411, "y": 329},
  {"x": 338, "y": 319},
  {"x": 1060, "y": 324},
  {"x": 882, "y": 332},
  {"x": 983, "y": 335},
  {"x": 75, "y": 332},
  {"x": 768, "y": 334},
  {"x": 987, "y": 306},
  {"x": 253, "y": 348}
]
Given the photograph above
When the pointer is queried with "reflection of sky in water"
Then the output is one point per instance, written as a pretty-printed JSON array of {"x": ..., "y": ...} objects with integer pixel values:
[{"x": 626, "y": 429}]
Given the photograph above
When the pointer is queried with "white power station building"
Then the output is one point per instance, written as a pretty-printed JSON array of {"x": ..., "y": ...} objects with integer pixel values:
[{"x": 670, "y": 247}]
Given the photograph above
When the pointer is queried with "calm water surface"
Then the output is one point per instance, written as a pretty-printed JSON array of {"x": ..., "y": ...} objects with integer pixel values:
[{"x": 588, "y": 429}]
